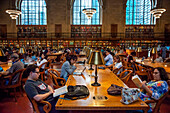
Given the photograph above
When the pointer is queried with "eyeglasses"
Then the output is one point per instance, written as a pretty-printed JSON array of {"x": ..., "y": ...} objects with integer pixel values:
[
  {"x": 155, "y": 72},
  {"x": 37, "y": 72}
]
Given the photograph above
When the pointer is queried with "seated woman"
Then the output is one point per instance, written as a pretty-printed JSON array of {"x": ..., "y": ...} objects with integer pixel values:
[
  {"x": 68, "y": 67},
  {"x": 158, "y": 58},
  {"x": 41, "y": 61},
  {"x": 156, "y": 88},
  {"x": 118, "y": 64}
]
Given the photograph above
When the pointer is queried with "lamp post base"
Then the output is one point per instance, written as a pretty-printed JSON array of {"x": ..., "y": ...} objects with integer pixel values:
[
  {"x": 96, "y": 84},
  {"x": 153, "y": 61},
  {"x": 91, "y": 69}
]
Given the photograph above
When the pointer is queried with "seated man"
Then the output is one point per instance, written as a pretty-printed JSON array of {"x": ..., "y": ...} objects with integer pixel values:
[
  {"x": 37, "y": 89},
  {"x": 68, "y": 67},
  {"x": 16, "y": 65},
  {"x": 108, "y": 59}
]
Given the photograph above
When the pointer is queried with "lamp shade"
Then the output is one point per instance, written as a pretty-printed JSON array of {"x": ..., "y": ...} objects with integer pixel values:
[
  {"x": 22, "y": 50},
  {"x": 96, "y": 58},
  {"x": 139, "y": 49},
  {"x": 154, "y": 50},
  {"x": 1, "y": 52}
]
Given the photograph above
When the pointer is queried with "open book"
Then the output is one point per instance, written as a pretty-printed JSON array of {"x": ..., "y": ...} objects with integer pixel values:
[
  {"x": 60, "y": 91},
  {"x": 137, "y": 80}
]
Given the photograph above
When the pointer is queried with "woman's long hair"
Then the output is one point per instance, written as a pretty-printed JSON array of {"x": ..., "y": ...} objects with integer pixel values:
[{"x": 163, "y": 73}]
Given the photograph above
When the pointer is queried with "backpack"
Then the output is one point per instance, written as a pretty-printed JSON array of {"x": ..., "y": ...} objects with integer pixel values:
[
  {"x": 114, "y": 90},
  {"x": 77, "y": 92}
]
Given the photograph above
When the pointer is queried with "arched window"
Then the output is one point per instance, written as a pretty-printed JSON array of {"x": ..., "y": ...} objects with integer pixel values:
[
  {"x": 79, "y": 18},
  {"x": 33, "y": 12},
  {"x": 138, "y": 12}
]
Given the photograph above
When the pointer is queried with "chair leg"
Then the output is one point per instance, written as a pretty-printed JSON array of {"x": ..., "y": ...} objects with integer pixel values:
[
  {"x": 15, "y": 94},
  {"x": 20, "y": 88}
]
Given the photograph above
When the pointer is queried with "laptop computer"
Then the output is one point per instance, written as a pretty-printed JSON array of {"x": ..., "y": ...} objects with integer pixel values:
[
  {"x": 1, "y": 69},
  {"x": 79, "y": 72}
]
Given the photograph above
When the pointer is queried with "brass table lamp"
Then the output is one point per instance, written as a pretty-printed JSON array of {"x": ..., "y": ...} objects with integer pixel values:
[
  {"x": 138, "y": 50},
  {"x": 88, "y": 55},
  {"x": 96, "y": 58},
  {"x": 22, "y": 50},
  {"x": 1, "y": 52},
  {"x": 153, "y": 51}
]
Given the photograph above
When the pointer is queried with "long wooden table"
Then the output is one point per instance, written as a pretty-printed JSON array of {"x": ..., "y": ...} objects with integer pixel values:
[
  {"x": 56, "y": 56},
  {"x": 146, "y": 63},
  {"x": 105, "y": 78}
]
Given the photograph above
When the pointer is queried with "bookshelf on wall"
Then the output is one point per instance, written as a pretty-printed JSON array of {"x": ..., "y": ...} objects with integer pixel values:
[
  {"x": 139, "y": 43},
  {"x": 31, "y": 31},
  {"x": 86, "y": 31},
  {"x": 139, "y": 31}
]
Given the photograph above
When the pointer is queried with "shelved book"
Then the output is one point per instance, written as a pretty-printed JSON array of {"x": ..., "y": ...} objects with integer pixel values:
[{"x": 137, "y": 80}]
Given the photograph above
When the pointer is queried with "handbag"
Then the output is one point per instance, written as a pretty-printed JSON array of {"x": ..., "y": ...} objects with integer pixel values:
[
  {"x": 130, "y": 95},
  {"x": 114, "y": 90},
  {"x": 77, "y": 92}
]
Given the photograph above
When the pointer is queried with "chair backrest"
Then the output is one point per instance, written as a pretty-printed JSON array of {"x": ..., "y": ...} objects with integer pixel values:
[
  {"x": 125, "y": 75},
  {"x": 56, "y": 79},
  {"x": 42, "y": 72},
  {"x": 167, "y": 60},
  {"x": 117, "y": 70},
  {"x": 159, "y": 102},
  {"x": 19, "y": 77},
  {"x": 54, "y": 72},
  {"x": 46, "y": 107},
  {"x": 48, "y": 66},
  {"x": 43, "y": 64}
]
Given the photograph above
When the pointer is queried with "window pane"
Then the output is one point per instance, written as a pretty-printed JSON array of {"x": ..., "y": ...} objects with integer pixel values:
[
  {"x": 79, "y": 18},
  {"x": 34, "y": 12},
  {"x": 138, "y": 12}
]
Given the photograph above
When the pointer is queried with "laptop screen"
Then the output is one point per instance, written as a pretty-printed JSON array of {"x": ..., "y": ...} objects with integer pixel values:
[{"x": 1, "y": 69}]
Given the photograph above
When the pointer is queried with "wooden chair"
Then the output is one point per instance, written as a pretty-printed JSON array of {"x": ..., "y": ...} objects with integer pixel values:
[
  {"x": 46, "y": 104},
  {"x": 10, "y": 85},
  {"x": 125, "y": 75},
  {"x": 49, "y": 64},
  {"x": 167, "y": 60},
  {"x": 158, "y": 103},
  {"x": 56, "y": 79},
  {"x": 117, "y": 70},
  {"x": 42, "y": 73},
  {"x": 142, "y": 72}
]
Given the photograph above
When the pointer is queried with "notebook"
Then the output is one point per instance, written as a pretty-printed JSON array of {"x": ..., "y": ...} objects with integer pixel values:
[{"x": 79, "y": 72}]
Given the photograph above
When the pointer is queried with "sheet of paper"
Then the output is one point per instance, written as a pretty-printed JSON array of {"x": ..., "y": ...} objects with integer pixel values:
[{"x": 60, "y": 91}]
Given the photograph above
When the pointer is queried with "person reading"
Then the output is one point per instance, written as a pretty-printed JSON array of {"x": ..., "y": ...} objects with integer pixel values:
[
  {"x": 38, "y": 90},
  {"x": 156, "y": 88}
]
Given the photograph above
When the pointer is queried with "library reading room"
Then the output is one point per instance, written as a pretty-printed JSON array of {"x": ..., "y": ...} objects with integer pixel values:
[{"x": 84, "y": 56}]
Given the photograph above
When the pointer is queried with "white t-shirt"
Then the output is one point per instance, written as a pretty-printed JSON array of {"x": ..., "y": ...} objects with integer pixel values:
[
  {"x": 39, "y": 63},
  {"x": 118, "y": 65}
]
